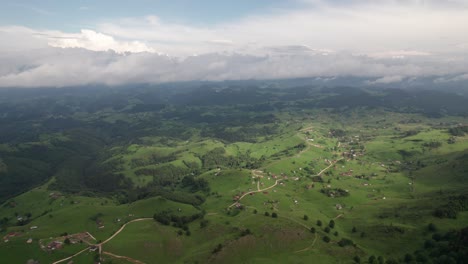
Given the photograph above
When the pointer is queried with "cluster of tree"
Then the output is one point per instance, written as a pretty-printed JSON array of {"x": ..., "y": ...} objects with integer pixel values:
[
  {"x": 288, "y": 151},
  {"x": 429, "y": 103},
  {"x": 344, "y": 242},
  {"x": 164, "y": 175},
  {"x": 450, "y": 247},
  {"x": 337, "y": 133},
  {"x": 152, "y": 159},
  {"x": 248, "y": 132},
  {"x": 432, "y": 144},
  {"x": 177, "y": 196},
  {"x": 455, "y": 205},
  {"x": 458, "y": 131},
  {"x": 334, "y": 192},
  {"x": 167, "y": 217},
  {"x": 195, "y": 184},
  {"x": 217, "y": 158}
]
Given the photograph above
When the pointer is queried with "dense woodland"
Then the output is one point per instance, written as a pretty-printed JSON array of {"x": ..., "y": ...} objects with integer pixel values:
[
  {"x": 69, "y": 133},
  {"x": 181, "y": 146}
]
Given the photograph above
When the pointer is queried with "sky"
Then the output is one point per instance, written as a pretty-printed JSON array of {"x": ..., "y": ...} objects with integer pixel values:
[{"x": 53, "y": 43}]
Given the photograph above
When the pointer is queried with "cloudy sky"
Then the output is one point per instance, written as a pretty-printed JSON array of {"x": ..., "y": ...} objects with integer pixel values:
[{"x": 68, "y": 43}]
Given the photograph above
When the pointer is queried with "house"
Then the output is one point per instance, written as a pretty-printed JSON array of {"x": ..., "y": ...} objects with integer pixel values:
[
  {"x": 93, "y": 248},
  {"x": 33, "y": 227},
  {"x": 29, "y": 241},
  {"x": 55, "y": 245},
  {"x": 338, "y": 207}
]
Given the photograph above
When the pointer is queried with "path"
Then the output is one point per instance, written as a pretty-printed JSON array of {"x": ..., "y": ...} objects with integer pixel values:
[
  {"x": 89, "y": 234},
  {"x": 245, "y": 194},
  {"x": 122, "y": 257},
  {"x": 309, "y": 247},
  {"x": 65, "y": 259},
  {"x": 107, "y": 240},
  {"x": 308, "y": 229},
  {"x": 333, "y": 163},
  {"x": 338, "y": 216},
  {"x": 122, "y": 228}
]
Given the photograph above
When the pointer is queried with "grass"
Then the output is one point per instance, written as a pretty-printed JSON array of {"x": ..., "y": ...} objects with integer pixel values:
[{"x": 388, "y": 188}]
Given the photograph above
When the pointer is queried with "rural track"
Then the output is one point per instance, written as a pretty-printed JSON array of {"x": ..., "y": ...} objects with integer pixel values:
[
  {"x": 123, "y": 257},
  {"x": 72, "y": 256},
  {"x": 122, "y": 228},
  {"x": 245, "y": 194},
  {"x": 322, "y": 171},
  {"x": 306, "y": 227},
  {"x": 106, "y": 241}
]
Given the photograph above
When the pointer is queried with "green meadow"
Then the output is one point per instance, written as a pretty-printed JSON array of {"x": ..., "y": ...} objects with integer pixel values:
[{"x": 298, "y": 180}]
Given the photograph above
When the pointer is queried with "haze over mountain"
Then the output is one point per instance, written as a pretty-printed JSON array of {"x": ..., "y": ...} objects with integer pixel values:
[
  {"x": 400, "y": 43},
  {"x": 247, "y": 131}
]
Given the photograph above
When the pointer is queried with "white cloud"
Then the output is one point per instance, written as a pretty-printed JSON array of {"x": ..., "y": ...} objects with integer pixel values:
[
  {"x": 387, "y": 80},
  {"x": 386, "y": 41},
  {"x": 95, "y": 41},
  {"x": 398, "y": 54},
  {"x": 458, "y": 78},
  {"x": 359, "y": 26},
  {"x": 70, "y": 67}
]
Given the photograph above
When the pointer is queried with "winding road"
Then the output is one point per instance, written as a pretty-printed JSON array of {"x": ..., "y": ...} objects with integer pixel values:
[
  {"x": 245, "y": 194},
  {"x": 106, "y": 241},
  {"x": 122, "y": 228}
]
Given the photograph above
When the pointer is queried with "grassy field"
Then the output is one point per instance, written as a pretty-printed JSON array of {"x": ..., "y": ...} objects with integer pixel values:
[{"x": 384, "y": 176}]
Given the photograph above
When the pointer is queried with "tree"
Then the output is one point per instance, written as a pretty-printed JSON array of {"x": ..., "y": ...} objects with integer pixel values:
[
  {"x": 274, "y": 215},
  {"x": 344, "y": 242},
  {"x": 431, "y": 227},
  {"x": 408, "y": 258},
  {"x": 267, "y": 214},
  {"x": 372, "y": 259},
  {"x": 380, "y": 259},
  {"x": 67, "y": 241},
  {"x": 255, "y": 211},
  {"x": 203, "y": 223},
  {"x": 246, "y": 232},
  {"x": 306, "y": 217},
  {"x": 327, "y": 229},
  {"x": 217, "y": 249},
  {"x": 354, "y": 230},
  {"x": 312, "y": 230},
  {"x": 331, "y": 224},
  {"x": 357, "y": 259},
  {"x": 326, "y": 239},
  {"x": 319, "y": 223},
  {"x": 97, "y": 257}
]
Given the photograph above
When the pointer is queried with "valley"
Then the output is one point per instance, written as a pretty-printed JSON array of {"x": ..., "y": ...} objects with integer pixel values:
[{"x": 232, "y": 175}]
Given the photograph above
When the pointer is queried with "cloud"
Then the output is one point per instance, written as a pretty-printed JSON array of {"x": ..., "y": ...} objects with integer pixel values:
[
  {"x": 95, "y": 41},
  {"x": 399, "y": 54},
  {"x": 387, "y": 80},
  {"x": 359, "y": 26},
  {"x": 385, "y": 41},
  {"x": 58, "y": 67},
  {"x": 457, "y": 78}
]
